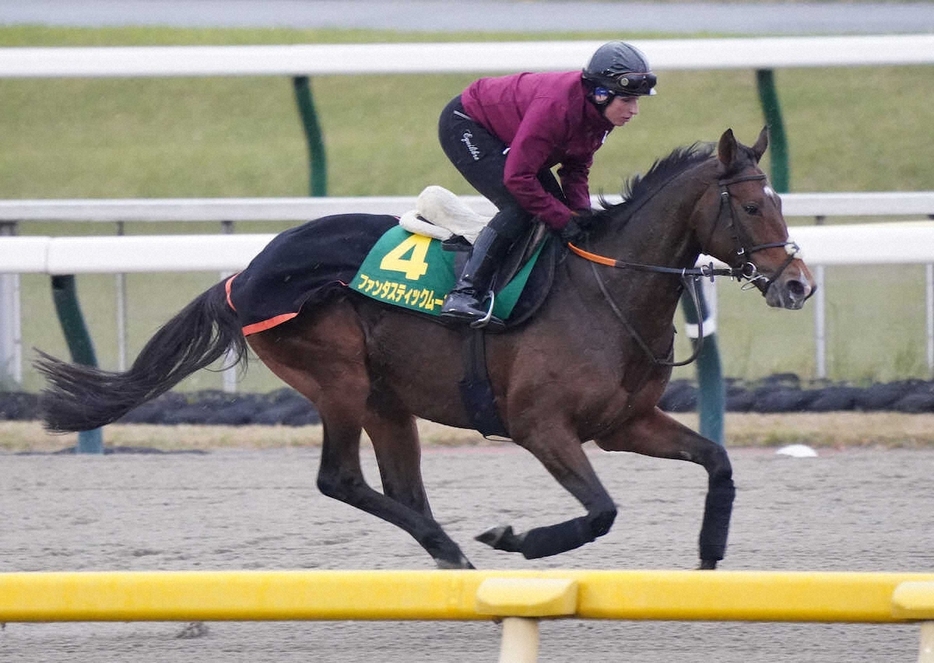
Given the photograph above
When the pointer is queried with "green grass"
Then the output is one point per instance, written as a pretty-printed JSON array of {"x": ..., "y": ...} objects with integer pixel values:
[{"x": 849, "y": 129}]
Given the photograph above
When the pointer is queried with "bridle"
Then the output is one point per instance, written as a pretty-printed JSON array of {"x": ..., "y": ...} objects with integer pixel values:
[{"x": 746, "y": 271}]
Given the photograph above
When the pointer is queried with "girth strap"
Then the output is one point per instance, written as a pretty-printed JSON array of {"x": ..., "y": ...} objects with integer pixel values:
[{"x": 476, "y": 390}]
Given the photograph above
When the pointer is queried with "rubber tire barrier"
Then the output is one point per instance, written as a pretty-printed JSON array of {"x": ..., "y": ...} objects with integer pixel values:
[{"x": 777, "y": 393}]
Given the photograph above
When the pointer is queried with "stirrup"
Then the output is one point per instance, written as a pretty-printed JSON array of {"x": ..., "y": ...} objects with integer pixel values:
[
  {"x": 462, "y": 306},
  {"x": 485, "y": 320},
  {"x": 475, "y": 319}
]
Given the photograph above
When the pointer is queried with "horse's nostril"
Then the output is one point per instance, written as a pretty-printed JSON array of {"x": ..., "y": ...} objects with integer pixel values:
[{"x": 796, "y": 289}]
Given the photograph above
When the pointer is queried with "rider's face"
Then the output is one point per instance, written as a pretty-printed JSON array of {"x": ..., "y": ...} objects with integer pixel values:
[{"x": 621, "y": 109}]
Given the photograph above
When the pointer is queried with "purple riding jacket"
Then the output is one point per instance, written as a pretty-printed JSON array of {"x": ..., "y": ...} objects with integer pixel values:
[{"x": 546, "y": 120}]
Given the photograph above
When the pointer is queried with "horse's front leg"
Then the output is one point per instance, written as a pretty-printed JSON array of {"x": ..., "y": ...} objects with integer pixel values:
[
  {"x": 562, "y": 455},
  {"x": 656, "y": 434}
]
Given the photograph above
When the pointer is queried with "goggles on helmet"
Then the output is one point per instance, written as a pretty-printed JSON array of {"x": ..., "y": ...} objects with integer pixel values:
[{"x": 633, "y": 83}]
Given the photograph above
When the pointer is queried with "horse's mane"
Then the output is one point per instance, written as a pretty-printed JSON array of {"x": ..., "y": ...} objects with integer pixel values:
[
  {"x": 641, "y": 187},
  {"x": 680, "y": 159}
]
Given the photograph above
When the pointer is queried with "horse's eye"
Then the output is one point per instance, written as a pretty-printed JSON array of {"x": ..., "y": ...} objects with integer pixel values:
[{"x": 751, "y": 209}]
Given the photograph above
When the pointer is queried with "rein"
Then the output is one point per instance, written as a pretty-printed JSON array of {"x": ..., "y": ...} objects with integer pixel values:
[
  {"x": 689, "y": 275},
  {"x": 704, "y": 271},
  {"x": 689, "y": 284}
]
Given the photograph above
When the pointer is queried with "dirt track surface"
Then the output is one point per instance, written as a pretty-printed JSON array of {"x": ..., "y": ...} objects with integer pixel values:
[{"x": 859, "y": 510}]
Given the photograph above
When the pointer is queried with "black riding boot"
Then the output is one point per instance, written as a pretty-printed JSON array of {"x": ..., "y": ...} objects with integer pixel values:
[{"x": 465, "y": 301}]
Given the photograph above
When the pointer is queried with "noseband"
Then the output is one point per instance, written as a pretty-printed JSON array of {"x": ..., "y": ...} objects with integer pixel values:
[{"x": 747, "y": 271}]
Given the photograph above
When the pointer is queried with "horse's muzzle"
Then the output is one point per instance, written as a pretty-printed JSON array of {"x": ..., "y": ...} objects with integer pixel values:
[{"x": 791, "y": 288}]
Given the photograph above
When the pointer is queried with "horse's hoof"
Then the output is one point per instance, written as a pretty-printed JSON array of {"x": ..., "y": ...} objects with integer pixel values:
[
  {"x": 501, "y": 538},
  {"x": 707, "y": 565},
  {"x": 462, "y": 565}
]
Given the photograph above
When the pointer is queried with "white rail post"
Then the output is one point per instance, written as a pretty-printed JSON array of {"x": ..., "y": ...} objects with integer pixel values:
[
  {"x": 929, "y": 309},
  {"x": 521, "y": 602},
  {"x": 229, "y": 374},
  {"x": 11, "y": 342},
  {"x": 520, "y": 640},
  {"x": 915, "y": 600},
  {"x": 926, "y": 648},
  {"x": 820, "y": 324},
  {"x": 820, "y": 318},
  {"x": 121, "y": 311}
]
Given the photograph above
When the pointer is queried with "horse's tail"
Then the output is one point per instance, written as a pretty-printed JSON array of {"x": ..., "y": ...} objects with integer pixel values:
[{"x": 81, "y": 398}]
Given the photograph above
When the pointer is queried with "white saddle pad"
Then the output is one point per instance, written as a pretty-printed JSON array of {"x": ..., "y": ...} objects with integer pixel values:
[{"x": 441, "y": 214}]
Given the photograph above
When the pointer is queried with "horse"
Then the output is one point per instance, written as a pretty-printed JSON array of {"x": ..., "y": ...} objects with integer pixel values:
[{"x": 591, "y": 364}]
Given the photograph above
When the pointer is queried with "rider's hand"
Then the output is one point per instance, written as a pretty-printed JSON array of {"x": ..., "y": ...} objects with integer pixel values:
[
  {"x": 579, "y": 223},
  {"x": 584, "y": 218},
  {"x": 571, "y": 231}
]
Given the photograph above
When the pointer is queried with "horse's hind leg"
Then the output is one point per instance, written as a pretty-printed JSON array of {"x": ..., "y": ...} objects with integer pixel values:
[
  {"x": 340, "y": 477},
  {"x": 398, "y": 454},
  {"x": 658, "y": 435},
  {"x": 394, "y": 436},
  {"x": 325, "y": 363}
]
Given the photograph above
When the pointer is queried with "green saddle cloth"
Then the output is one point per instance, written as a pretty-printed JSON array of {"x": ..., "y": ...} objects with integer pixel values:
[{"x": 416, "y": 272}]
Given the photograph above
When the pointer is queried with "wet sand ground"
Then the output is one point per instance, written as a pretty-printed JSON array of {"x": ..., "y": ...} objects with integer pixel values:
[{"x": 860, "y": 510}]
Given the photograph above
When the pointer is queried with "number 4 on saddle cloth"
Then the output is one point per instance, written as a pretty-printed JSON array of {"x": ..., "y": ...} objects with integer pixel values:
[
  {"x": 377, "y": 257},
  {"x": 416, "y": 271}
]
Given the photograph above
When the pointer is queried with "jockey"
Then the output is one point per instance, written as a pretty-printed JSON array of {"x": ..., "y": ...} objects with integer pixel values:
[{"x": 504, "y": 135}]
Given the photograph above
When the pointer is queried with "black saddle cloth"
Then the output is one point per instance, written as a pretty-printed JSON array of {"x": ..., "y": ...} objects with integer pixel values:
[
  {"x": 314, "y": 262},
  {"x": 303, "y": 266}
]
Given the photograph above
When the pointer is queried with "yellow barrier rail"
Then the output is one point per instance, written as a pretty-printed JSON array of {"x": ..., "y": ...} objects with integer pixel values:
[
  {"x": 445, "y": 595},
  {"x": 520, "y": 598}
]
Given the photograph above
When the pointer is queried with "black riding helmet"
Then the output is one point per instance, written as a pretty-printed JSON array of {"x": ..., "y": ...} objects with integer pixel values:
[{"x": 622, "y": 69}]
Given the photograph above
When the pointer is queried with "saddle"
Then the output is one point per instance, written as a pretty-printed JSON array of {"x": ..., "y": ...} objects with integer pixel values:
[{"x": 442, "y": 215}]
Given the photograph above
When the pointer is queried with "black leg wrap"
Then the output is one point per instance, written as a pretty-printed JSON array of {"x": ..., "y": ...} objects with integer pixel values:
[
  {"x": 554, "y": 539},
  {"x": 716, "y": 526}
]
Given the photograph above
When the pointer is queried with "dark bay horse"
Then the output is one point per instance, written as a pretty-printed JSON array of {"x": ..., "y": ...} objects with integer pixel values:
[{"x": 590, "y": 365}]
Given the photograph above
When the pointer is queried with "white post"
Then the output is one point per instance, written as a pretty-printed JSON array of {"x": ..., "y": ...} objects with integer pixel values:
[
  {"x": 121, "y": 321},
  {"x": 929, "y": 291},
  {"x": 11, "y": 341},
  {"x": 709, "y": 293},
  {"x": 820, "y": 325},
  {"x": 926, "y": 648},
  {"x": 915, "y": 601},
  {"x": 121, "y": 312},
  {"x": 520, "y": 640},
  {"x": 228, "y": 375},
  {"x": 709, "y": 288},
  {"x": 520, "y": 602}
]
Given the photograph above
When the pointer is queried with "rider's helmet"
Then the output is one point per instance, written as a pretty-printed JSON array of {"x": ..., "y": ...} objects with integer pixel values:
[{"x": 620, "y": 68}]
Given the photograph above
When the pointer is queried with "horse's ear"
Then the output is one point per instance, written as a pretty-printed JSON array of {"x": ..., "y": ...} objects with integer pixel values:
[
  {"x": 762, "y": 143},
  {"x": 726, "y": 148}
]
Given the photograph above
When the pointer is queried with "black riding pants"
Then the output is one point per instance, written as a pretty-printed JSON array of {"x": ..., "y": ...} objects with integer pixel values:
[{"x": 480, "y": 156}]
